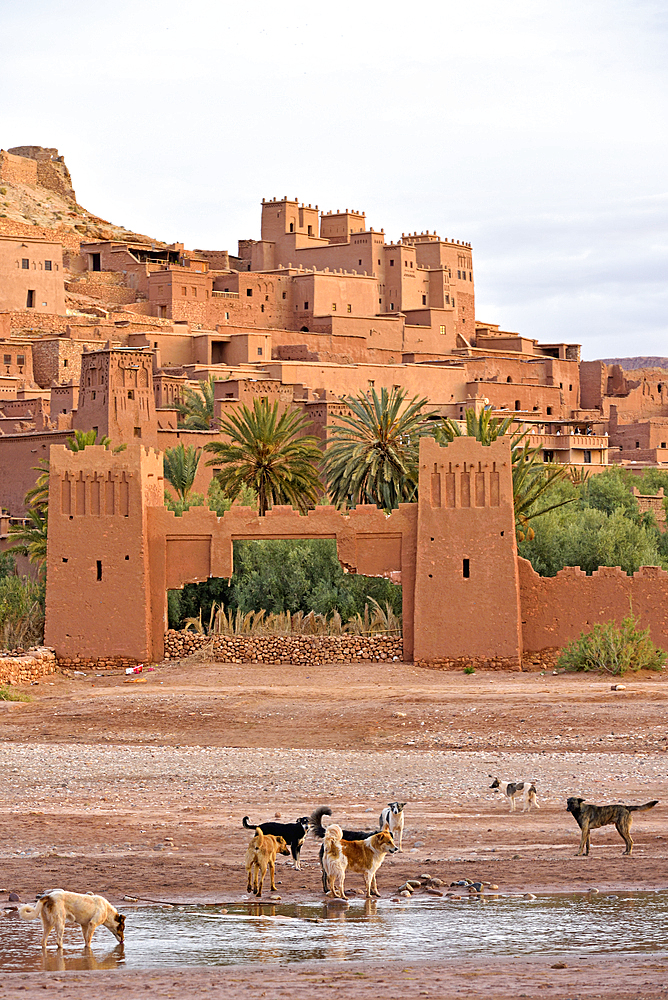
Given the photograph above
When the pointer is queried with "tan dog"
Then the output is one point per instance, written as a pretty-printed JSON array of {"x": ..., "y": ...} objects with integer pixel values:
[
  {"x": 366, "y": 857},
  {"x": 58, "y": 907},
  {"x": 334, "y": 861},
  {"x": 261, "y": 854}
]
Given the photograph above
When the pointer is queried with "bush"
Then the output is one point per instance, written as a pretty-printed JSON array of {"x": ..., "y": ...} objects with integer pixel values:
[
  {"x": 6, "y": 694},
  {"x": 21, "y": 612},
  {"x": 613, "y": 649}
]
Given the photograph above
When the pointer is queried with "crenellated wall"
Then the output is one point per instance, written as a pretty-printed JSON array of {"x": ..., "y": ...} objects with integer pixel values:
[{"x": 557, "y": 609}]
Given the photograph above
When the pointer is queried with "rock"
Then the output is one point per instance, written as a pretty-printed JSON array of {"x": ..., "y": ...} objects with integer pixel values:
[
  {"x": 406, "y": 887},
  {"x": 413, "y": 883},
  {"x": 492, "y": 886},
  {"x": 434, "y": 883},
  {"x": 14, "y": 897},
  {"x": 406, "y": 894},
  {"x": 618, "y": 687},
  {"x": 434, "y": 892}
]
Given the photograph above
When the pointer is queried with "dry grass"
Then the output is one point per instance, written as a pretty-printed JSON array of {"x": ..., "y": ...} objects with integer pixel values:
[{"x": 259, "y": 623}]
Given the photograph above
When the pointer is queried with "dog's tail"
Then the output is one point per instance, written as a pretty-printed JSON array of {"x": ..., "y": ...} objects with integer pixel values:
[
  {"x": 315, "y": 821},
  {"x": 247, "y": 825},
  {"x": 31, "y": 912},
  {"x": 533, "y": 801},
  {"x": 648, "y": 805},
  {"x": 333, "y": 834}
]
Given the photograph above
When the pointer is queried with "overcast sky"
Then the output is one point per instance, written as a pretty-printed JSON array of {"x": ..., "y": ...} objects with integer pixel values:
[{"x": 536, "y": 131}]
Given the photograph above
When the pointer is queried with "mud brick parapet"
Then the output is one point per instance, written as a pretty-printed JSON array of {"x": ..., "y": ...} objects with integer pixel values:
[
  {"x": 36, "y": 663},
  {"x": 295, "y": 649},
  {"x": 557, "y": 609}
]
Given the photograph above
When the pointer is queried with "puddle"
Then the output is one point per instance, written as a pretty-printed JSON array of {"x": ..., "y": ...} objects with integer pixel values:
[{"x": 433, "y": 929}]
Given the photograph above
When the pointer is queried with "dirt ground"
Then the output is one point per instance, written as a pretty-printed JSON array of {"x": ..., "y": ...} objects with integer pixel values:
[{"x": 138, "y": 789}]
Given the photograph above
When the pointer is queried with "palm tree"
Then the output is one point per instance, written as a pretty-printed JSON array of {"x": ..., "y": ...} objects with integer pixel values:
[
  {"x": 532, "y": 479},
  {"x": 82, "y": 439},
  {"x": 30, "y": 538},
  {"x": 196, "y": 410},
  {"x": 372, "y": 452},
  {"x": 270, "y": 454},
  {"x": 181, "y": 468}
]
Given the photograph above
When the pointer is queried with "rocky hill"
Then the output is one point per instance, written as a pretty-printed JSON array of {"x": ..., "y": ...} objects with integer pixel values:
[
  {"x": 37, "y": 199},
  {"x": 631, "y": 364}
]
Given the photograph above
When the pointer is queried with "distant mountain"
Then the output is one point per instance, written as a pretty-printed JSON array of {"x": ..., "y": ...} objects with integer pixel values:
[{"x": 630, "y": 364}]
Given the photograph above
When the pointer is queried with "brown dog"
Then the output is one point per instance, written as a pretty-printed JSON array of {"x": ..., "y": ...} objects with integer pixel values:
[
  {"x": 261, "y": 854},
  {"x": 366, "y": 857},
  {"x": 334, "y": 862},
  {"x": 591, "y": 817}
]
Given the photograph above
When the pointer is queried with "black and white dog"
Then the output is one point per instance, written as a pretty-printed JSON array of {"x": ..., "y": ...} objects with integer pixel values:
[
  {"x": 393, "y": 815},
  {"x": 515, "y": 790},
  {"x": 318, "y": 830},
  {"x": 294, "y": 834}
]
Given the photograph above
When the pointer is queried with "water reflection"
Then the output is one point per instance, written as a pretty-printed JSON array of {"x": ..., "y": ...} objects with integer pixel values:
[{"x": 55, "y": 961}]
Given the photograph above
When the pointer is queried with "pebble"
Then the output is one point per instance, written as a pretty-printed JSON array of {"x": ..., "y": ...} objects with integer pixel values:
[{"x": 406, "y": 893}]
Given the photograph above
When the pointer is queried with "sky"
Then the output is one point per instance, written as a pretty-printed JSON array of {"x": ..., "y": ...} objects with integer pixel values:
[{"x": 536, "y": 131}]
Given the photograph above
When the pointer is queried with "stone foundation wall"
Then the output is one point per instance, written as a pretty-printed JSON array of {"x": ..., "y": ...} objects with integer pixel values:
[
  {"x": 30, "y": 666},
  {"x": 83, "y": 663},
  {"x": 477, "y": 662},
  {"x": 296, "y": 649}
]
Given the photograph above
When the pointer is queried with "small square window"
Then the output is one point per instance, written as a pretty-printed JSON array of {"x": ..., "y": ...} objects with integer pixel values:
[
  {"x": 227, "y": 315},
  {"x": 424, "y": 300},
  {"x": 391, "y": 263},
  {"x": 184, "y": 290},
  {"x": 64, "y": 362},
  {"x": 333, "y": 307},
  {"x": 25, "y": 263},
  {"x": 8, "y": 359},
  {"x": 131, "y": 394},
  {"x": 137, "y": 432},
  {"x": 20, "y": 359},
  {"x": 360, "y": 261},
  {"x": 284, "y": 295},
  {"x": 306, "y": 305},
  {"x": 194, "y": 291},
  {"x": 249, "y": 292},
  {"x": 549, "y": 411},
  {"x": 392, "y": 305},
  {"x": 442, "y": 330},
  {"x": 350, "y": 308},
  {"x": 47, "y": 265},
  {"x": 663, "y": 444},
  {"x": 459, "y": 274},
  {"x": 259, "y": 352}
]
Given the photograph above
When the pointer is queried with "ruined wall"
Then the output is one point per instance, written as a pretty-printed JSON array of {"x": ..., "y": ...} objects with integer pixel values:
[
  {"x": 297, "y": 649},
  {"x": 51, "y": 171},
  {"x": 27, "y": 667},
  {"x": 557, "y": 609},
  {"x": 17, "y": 169}
]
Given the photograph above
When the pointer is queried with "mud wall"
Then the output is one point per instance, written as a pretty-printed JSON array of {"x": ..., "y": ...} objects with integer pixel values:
[{"x": 555, "y": 610}]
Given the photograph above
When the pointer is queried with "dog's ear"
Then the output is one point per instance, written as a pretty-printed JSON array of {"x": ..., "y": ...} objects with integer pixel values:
[{"x": 402, "y": 804}]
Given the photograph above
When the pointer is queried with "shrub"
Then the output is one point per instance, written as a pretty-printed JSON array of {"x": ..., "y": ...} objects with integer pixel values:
[
  {"x": 469, "y": 669},
  {"x": 6, "y": 694},
  {"x": 613, "y": 649}
]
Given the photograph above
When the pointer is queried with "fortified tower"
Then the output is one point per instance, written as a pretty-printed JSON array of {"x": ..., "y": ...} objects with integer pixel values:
[
  {"x": 98, "y": 602},
  {"x": 116, "y": 395}
]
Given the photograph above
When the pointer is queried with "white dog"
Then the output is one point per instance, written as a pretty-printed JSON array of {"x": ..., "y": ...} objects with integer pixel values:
[
  {"x": 58, "y": 907},
  {"x": 393, "y": 816}
]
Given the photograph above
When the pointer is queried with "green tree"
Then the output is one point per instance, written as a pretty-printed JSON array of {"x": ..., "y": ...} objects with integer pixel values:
[
  {"x": 30, "y": 538},
  {"x": 268, "y": 453},
  {"x": 196, "y": 410},
  {"x": 180, "y": 464},
  {"x": 372, "y": 452}
]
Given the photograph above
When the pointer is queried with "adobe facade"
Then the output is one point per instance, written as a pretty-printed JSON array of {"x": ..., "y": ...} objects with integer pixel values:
[{"x": 114, "y": 551}]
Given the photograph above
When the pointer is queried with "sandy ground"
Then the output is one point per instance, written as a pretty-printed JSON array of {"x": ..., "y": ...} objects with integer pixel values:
[{"x": 139, "y": 789}]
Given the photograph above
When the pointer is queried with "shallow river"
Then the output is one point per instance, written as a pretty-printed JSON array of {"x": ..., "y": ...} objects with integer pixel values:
[{"x": 422, "y": 928}]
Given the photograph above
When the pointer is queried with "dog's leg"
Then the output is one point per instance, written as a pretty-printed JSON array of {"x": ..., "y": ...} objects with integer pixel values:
[
  {"x": 87, "y": 930},
  {"x": 46, "y": 929},
  {"x": 272, "y": 870},
  {"x": 625, "y": 833},
  {"x": 295, "y": 851},
  {"x": 512, "y": 803},
  {"x": 263, "y": 872},
  {"x": 584, "y": 841},
  {"x": 59, "y": 924},
  {"x": 367, "y": 884}
]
